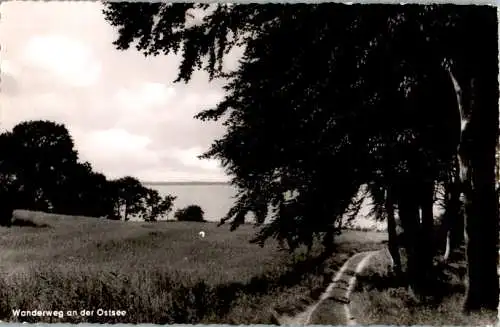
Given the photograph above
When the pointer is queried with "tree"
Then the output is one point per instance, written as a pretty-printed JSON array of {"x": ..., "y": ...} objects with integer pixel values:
[
  {"x": 39, "y": 170},
  {"x": 84, "y": 192},
  {"x": 190, "y": 213},
  {"x": 8, "y": 179},
  {"x": 335, "y": 79},
  {"x": 129, "y": 194},
  {"x": 154, "y": 206},
  {"x": 301, "y": 135},
  {"x": 97, "y": 197},
  {"x": 453, "y": 217},
  {"x": 479, "y": 128},
  {"x": 43, "y": 154},
  {"x": 452, "y": 37},
  {"x": 383, "y": 208},
  {"x": 67, "y": 196},
  {"x": 129, "y": 197}
]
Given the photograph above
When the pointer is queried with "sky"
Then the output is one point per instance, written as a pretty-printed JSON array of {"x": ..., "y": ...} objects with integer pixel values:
[{"x": 123, "y": 110}]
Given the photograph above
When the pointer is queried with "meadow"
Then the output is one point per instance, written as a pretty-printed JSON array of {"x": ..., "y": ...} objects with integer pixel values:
[{"x": 159, "y": 272}]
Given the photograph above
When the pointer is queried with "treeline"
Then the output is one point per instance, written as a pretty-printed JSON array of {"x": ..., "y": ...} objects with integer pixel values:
[{"x": 40, "y": 170}]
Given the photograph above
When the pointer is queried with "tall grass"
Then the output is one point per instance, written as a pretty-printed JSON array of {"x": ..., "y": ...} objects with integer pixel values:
[
  {"x": 382, "y": 299},
  {"x": 395, "y": 306},
  {"x": 157, "y": 272}
]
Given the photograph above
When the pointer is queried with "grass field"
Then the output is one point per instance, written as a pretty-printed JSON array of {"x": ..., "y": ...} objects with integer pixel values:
[
  {"x": 378, "y": 301},
  {"x": 157, "y": 272},
  {"x": 394, "y": 306}
]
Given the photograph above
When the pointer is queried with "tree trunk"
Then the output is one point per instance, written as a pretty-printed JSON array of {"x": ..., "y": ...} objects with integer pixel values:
[
  {"x": 481, "y": 208},
  {"x": 391, "y": 229},
  {"x": 478, "y": 105},
  {"x": 447, "y": 250},
  {"x": 454, "y": 221},
  {"x": 327, "y": 243},
  {"x": 427, "y": 231},
  {"x": 125, "y": 214},
  {"x": 454, "y": 216},
  {"x": 410, "y": 220}
]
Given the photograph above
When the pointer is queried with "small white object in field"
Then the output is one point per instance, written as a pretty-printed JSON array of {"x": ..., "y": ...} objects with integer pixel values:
[{"x": 202, "y": 234}]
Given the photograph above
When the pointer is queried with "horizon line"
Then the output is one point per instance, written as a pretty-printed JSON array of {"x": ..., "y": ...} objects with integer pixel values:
[{"x": 185, "y": 183}]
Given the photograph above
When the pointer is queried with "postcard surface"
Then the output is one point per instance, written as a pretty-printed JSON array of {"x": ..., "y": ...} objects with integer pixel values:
[{"x": 264, "y": 163}]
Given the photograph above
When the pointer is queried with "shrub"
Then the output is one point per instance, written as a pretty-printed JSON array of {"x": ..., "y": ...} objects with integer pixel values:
[
  {"x": 190, "y": 213},
  {"x": 6, "y": 214},
  {"x": 7, "y": 208}
]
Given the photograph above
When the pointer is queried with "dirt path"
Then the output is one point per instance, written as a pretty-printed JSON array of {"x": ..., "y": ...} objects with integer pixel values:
[{"x": 334, "y": 302}]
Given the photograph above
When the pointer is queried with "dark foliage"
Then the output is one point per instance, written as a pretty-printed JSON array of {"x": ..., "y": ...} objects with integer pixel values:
[
  {"x": 329, "y": 94},
  {"x": 190, "y": 213},
  {"x": 331, "y": 115},
  {"x": 39, "y": 170}
]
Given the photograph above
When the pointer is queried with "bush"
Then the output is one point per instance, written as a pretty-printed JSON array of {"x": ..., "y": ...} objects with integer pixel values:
[
  {"x": 6, "y": 214},
  {"x": 7, "y": 208},
  {"x": 190, "y": 213}
]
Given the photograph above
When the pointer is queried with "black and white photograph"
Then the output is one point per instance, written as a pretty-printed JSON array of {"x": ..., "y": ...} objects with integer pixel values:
[{"x": 249, "y": 163}]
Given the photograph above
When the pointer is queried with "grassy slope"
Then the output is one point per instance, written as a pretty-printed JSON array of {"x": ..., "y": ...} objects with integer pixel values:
[
  {"x": 128, "y": 247},
  {"x": 157, "y": 272}
]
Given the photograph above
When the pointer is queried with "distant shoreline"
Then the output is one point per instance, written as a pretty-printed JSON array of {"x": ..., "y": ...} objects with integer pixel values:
[{"x": 185, "y": 183}]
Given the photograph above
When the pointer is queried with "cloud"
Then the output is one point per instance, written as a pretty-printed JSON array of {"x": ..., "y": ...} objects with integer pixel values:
[
  {"x": 189, "y": 157},
  {"x": 7, "y": 67},
  {"x": 171, "y": 175},
  {"x": 115, "y": 150},
  {"x": 148, "y": 94},
  {"x": 117, "y": 140},
  {"x": 9, "y": 85},
  {"x": 126, "y": 115},
  {"x": 65, "y": 57}
]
